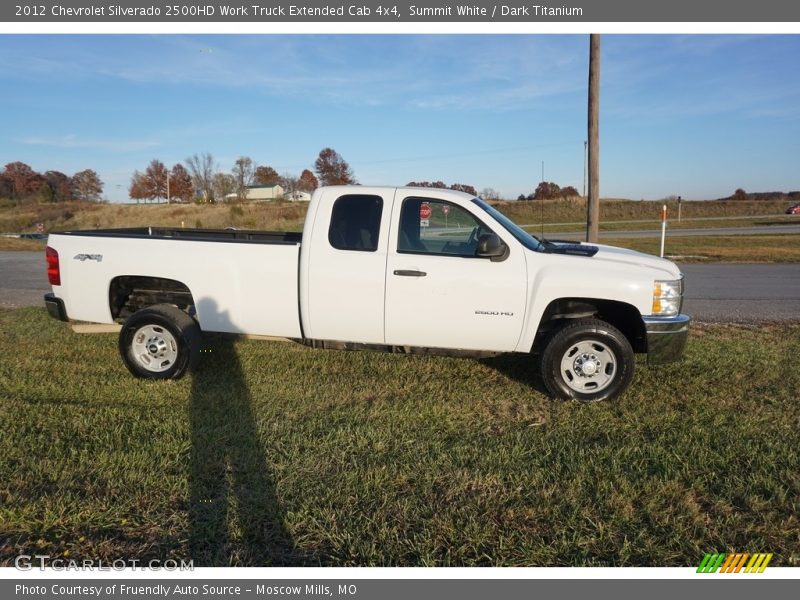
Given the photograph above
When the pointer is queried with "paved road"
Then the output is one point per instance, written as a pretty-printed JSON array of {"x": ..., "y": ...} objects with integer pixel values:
[
  {"x": 23, "y": 278},
  {"x": 743, "y": 293},
  {"x": 718, "y": 292}
]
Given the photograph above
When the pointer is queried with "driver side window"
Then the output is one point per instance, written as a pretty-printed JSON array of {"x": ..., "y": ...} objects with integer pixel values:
[{"x": 429, "y": 226}]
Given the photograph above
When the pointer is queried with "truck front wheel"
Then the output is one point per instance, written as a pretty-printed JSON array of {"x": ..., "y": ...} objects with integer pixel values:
[
  {"x": 160, "y": 342},
  {"x": 588, "y": 360}
]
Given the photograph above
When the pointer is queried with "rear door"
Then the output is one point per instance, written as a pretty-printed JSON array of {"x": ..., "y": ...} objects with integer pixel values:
[
  {"x": 439, "y": 294},
  {"x": 347, "y": 268}
]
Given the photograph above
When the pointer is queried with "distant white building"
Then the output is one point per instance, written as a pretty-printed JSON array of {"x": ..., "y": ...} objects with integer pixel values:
[
  {"x": 261, "y": 193},
  {"x": 265, "y": 192},
  {"x": 297, "y": 196}
]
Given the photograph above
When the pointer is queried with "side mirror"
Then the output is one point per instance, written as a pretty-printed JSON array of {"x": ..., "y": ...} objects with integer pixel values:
[{"x": 491, "y": 246}]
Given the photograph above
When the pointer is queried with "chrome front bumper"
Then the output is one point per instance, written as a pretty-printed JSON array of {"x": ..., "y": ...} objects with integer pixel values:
[{"x": 666, "y": 337}]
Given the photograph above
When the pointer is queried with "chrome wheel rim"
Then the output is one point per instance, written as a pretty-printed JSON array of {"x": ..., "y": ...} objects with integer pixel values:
[
  {"x": 588, "y": 366},
  {"x": 154, "y": 348}
]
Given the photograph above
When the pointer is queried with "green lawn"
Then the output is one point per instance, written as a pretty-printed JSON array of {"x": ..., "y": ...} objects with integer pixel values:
[
  {"x": 774, "y": 248},
  {"x": 273, "y": 453}
]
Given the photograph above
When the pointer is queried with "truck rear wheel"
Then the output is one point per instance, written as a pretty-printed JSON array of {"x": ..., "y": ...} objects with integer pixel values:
[
  {"x": 160, "y": 342},
  {"x": 588, "y": 360}
]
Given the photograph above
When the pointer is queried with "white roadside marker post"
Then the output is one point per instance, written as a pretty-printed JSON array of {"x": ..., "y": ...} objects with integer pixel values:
[{"x": 663, "y": 227}]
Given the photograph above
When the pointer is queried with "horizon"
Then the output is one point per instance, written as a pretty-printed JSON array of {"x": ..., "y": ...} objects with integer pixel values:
[{"x": 695, "y": 116}]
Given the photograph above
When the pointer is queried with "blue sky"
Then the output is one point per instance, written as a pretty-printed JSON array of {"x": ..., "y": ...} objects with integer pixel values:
[{"x": 696, "y": 115}]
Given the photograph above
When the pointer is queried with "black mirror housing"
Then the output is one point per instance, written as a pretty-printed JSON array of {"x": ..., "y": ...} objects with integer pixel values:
[{"x": 491, "y": 246}]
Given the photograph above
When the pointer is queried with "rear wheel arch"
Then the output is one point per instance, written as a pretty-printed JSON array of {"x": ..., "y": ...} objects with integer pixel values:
[{"x": 128, "y": 294}]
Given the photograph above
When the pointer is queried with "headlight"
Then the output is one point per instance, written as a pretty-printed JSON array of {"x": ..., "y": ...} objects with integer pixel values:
[{"x": 667, "y": 297}]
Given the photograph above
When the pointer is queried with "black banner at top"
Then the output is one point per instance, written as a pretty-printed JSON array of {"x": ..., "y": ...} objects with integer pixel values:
[{"x": 399, "y": 11}]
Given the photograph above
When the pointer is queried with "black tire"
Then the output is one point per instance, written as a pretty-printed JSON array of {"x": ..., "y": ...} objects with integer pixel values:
[
  {"x": 587, "y": 360},
  {"x": 160, "y": 342}
]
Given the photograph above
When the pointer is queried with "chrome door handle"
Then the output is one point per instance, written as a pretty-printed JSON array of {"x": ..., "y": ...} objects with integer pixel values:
[{"x": 410, "y": 273}]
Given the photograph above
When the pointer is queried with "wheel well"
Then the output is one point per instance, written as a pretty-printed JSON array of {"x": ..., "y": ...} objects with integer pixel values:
[
  {"x": 621, "y": 315},
  {"x": 130, "y": 293}
]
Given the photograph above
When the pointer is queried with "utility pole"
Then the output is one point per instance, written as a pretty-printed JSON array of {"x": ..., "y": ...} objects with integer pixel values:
[
  {"x": 585, "y": 144},
  {"x": 593, "y": 205}
]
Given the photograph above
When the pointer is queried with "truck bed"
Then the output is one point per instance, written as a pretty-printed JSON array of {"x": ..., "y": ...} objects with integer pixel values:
[
  {"x": 204, "y": 235},
  {"x": 240, "y": 281}
]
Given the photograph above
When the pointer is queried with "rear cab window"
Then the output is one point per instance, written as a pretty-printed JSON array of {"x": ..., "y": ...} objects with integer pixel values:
[{"x": 356, "y": 223}]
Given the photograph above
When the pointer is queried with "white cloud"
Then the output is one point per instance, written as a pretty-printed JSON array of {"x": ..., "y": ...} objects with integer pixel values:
[{"x": 74, "y": 141}]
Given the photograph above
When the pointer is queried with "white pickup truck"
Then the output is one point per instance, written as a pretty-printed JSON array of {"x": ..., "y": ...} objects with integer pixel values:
[{"x": 380, "y": 268}]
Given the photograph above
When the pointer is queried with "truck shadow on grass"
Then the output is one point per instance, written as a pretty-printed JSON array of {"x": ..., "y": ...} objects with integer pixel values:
[
  {"x": 523, "y": 368},
  {"x": 234, "y": 514}
]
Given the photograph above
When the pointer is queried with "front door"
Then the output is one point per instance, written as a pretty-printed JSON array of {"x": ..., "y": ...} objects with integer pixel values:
[{"x": 439, "y": 294}]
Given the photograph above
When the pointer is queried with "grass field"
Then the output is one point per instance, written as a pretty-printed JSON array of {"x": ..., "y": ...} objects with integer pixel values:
[
  {"x": 9, "y": 243},
  {"x": 275, "y": 454},
  {"x": 288, "y": 216},
  {"x": 718, "y": 248}
]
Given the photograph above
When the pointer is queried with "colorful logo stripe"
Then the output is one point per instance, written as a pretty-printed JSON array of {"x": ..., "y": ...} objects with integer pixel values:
[{"x": 734, "y": 563}]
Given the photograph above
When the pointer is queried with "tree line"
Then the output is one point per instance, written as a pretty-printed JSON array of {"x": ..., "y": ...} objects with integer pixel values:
[
  {"x": 202, "y": 179},
  {"x": 547, "y": 190},
  {"x": 21, "y": 183},
  {"x": 459, "y": 187}
]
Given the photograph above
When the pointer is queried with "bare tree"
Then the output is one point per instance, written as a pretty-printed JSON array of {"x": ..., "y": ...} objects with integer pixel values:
[
  {"x": 490, "y": 194},
  {"x": 203, "y": 169},
  {"x": 222, "y": 185},
  {"x": 243, "y": 172},
  {"x": 87, "y": 186},
  {"x": 291, "y": 185}
]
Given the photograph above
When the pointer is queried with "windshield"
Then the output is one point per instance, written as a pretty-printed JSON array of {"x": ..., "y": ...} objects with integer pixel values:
[{"x": 522, "y": 236}]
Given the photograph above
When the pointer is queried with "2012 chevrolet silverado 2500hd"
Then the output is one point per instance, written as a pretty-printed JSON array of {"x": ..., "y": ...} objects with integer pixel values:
[{"x": 396, "y": 269}]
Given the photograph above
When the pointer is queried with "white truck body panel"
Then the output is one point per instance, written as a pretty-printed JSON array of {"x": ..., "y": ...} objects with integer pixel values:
[
  {"x": 343, "y": 291},
  {"x": 464, "y": 303},
  {"x": 237, "y": 287}
]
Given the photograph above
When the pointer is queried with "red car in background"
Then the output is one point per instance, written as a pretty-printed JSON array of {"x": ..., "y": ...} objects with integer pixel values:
[{"x": 794, "y": 209}]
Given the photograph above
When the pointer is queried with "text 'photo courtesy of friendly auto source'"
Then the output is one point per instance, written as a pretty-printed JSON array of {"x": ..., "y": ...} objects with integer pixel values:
[{"x": 404, "y": 270}]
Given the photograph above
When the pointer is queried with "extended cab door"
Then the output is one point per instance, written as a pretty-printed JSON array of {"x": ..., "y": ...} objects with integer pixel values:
[
  {"x": 346, "y": 269},
  {"x": 439, "y": 294}
]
